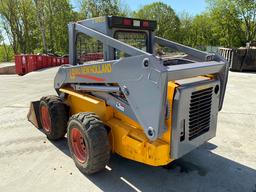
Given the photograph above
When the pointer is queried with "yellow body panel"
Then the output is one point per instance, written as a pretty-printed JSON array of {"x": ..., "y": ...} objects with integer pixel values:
[
  {"x": 126, "y": 136},
  {"x": 79, "y": 102}
]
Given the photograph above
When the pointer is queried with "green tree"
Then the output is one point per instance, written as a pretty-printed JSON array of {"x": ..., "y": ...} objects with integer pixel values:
[
  {"x": 197, "y": 31},
  {"x": 247, "y": 12},
  {"x": 37, "y": 25},
  {"x": 58, "y": 14},
  {"x": 168, "y": 21},
  {"x": 202, "y": 30},
  {"x": 186, "y": 31},
  {"x": 40, "y": 13},
  {"x": 5, "y": 50},
  {"x": 18, "y": 18},
  {"x": 95, "y": 8},
  {"x": 227, "y": 23}
]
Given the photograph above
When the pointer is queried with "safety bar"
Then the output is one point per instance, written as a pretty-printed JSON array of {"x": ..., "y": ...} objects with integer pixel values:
[
  {"x": 201, "y": 55},
  {"x": 177, "y": 72}
]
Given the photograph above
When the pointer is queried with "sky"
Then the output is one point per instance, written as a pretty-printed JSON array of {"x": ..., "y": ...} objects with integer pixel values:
[{"x": 193, "y": 7}]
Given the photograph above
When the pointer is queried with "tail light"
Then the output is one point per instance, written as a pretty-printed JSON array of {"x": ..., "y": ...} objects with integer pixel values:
[
  {"x": 127, "y": 22},
  {"x": 145, "y": 24}
]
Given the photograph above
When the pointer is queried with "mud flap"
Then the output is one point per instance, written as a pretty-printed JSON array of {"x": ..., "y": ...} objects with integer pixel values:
[{"x": 33, "y": 114}]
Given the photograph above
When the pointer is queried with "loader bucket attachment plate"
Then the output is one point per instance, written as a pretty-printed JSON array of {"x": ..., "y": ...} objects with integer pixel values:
[{"x": 33, "y": 114}]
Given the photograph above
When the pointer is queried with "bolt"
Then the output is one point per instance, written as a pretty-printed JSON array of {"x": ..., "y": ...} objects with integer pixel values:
[
  {"x": 151, "y": 132},
  {"x": 146, "y": 62},
  {"x": 125, "y": 91}
]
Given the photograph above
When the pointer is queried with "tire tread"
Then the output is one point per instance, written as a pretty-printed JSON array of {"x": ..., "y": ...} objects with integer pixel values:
[
  {"x": 58, "y": 114},
  {"x": 99, "y": 148}
]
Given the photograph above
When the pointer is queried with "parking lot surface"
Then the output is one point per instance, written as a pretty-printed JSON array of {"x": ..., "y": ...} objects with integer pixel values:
[{"x": 29, "y": 162}]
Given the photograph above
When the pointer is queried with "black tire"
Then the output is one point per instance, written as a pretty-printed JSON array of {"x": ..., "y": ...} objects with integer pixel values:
[
  {"x": 95, "y": 139},
  {"x": 58, "y": 116}
]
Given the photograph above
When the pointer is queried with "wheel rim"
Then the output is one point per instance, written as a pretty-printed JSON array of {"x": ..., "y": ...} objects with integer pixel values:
[
  {"x": 46, "y": 120},
  {"x": 78, "y": 145}
]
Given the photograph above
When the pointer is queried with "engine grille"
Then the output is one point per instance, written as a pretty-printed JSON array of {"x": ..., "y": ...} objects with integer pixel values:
[{"x": 200, "y": 112}]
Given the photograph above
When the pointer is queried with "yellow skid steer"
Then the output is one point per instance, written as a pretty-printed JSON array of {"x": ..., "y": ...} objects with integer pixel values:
[{"x": 133, "y": 103}]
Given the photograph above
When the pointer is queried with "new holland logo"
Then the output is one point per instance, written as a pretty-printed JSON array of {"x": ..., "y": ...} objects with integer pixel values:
[{"x": 88, "y": 71}]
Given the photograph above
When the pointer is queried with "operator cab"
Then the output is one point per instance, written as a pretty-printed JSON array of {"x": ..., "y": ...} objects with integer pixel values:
[
  {"x": 134, "y": 32},
  {"x": 137, "y": 33}
]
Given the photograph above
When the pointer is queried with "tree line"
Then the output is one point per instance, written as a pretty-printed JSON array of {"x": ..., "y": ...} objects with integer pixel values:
[{"x": 40, "y": 26}]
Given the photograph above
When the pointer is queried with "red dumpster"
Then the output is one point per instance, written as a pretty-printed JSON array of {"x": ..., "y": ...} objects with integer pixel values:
[
  {"x": 21, "y": 64},
  {"x": 89, "y": 56},
  {"x": 62, "y": 61},
  {"x": 54, "y": 61},
  {"x": 66, "y": 60},
  {"x": 83, "y": 58},
  {"x": 45, "y": 61},
  {"x": 50, "y": 63},
  {"x": 94, "y": 57},
  {"x": 32, "y": 63},
  {"x": 40, "y": 61},
  {"x": 100, "y": 55},
  {"x": 58, "y": 61}
]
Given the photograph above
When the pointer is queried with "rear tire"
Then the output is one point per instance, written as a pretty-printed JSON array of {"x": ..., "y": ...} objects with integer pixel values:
[
  {"x": 88, "y": 142},
  {"x": 53, "y": 116}
]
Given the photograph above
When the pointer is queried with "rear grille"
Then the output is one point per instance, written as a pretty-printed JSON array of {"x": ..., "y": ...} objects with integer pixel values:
[{"x": 200, "y": 112}]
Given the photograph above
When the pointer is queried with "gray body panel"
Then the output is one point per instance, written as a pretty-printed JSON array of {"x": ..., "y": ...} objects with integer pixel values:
[{"x": 181, "y": 118}]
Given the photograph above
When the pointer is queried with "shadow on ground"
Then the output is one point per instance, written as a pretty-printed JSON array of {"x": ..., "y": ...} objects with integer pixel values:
[{"x": 200, "y": 170}]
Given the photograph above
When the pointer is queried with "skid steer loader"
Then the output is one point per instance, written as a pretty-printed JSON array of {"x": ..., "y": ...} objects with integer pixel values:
[{"x": 133, "y": 103}]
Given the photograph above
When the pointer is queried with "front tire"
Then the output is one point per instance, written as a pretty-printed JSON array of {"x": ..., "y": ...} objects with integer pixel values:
[
  {"x": 53, "y": 116},
  {"x": 88, "y": 142}
]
